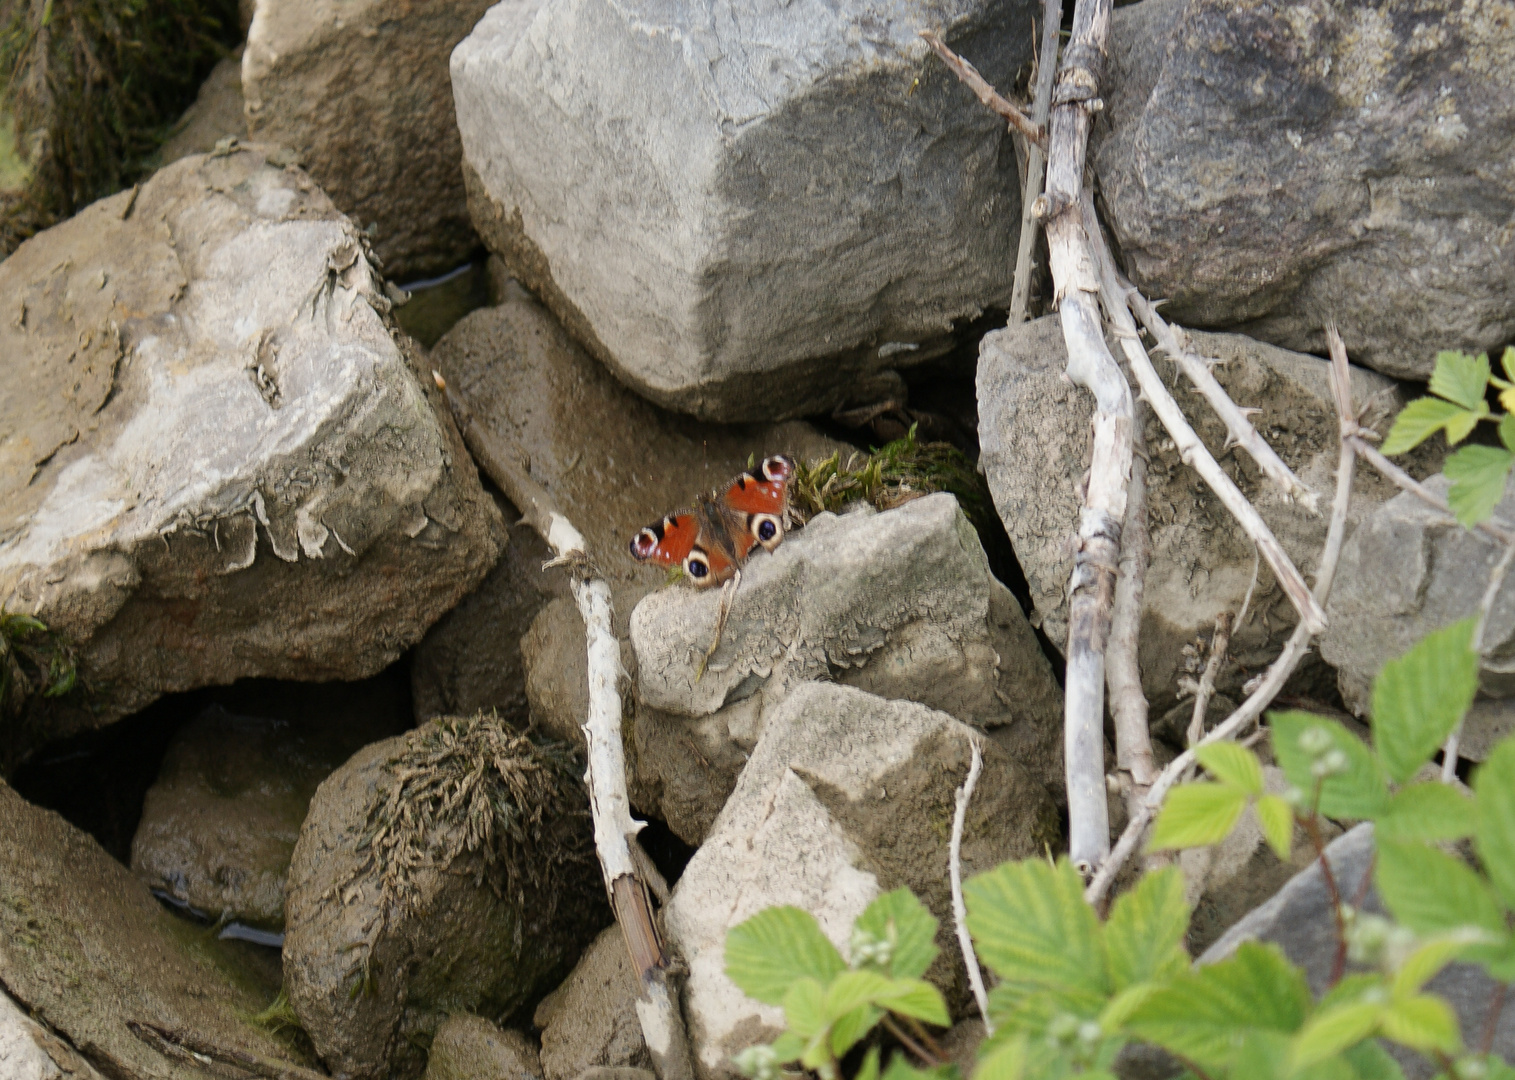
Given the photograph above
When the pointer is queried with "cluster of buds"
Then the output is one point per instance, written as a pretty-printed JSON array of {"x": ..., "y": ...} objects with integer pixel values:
[
  {"x": 1326, "y": 760},
  {"x": 1375, "y": 941},
  {"x": 759, "y": 1062},
  {"x": 869, "y": 949},
  {"x": 1078, "y": 1037}
]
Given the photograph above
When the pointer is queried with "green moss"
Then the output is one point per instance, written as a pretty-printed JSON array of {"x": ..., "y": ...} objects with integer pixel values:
[
  {"x": 93, "y": 86},
  {"x": 33, "y": 660}
]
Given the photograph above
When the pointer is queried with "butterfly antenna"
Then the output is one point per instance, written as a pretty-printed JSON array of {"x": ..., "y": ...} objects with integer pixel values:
[{"x": 728, "y": 590}]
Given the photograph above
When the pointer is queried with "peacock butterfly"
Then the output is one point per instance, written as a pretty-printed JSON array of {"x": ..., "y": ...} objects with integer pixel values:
[{"x": 712, "y": 541}]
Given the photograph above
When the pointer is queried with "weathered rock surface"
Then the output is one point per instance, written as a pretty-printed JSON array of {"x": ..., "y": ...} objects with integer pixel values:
[
  {"x": 1300, "y": 921},
  {"x": 482, "y": 932},
  {"x": 471, "y": 659},
  {"x": 846, "y": 796},
  {"x": 216, "y": 113},
  {"x": 745, "y": 210},
  {"x": 1373, "y": 187},
  {"x": 215, "y": 458},
  {"x": 1034, "y": 430},
  {"x": 360, "y": 92},
  {"x": 28, "y": 1051},
  {"x": 85, "y": 948},
  {"x": 1409, "y": 570},
  {"x": 897, "y": 604},
  {"x": 590, "y": 1022},
  {"x": 468, "y": 1047},
  {"x": 219, "y": 825}
]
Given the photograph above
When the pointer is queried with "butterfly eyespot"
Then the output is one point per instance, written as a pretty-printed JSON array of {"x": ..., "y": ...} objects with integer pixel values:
[
  {"x": 696, "y": 566},
  {"x": 777, "y": 468},
  {"x": 766, "y": 529},
  {"x": 643, "y": 544}
]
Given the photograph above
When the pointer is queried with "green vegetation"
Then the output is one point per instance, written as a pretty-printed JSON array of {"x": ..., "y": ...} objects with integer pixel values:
[
  {"x": 33, "y": 660},
  {"x": 1074, "y": 990},
  {"x": 92, "y": 86},
  {"x": 1458, "y": 403}
]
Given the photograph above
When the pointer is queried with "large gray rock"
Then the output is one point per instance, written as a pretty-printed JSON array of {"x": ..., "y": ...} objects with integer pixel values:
[
  {"x": 468, "y": 1047},
  {"x": 1034, "y": 433},
  {"x": 219, "y": 824},
  {"x": 29, "y": 1051},
  {"x": 590, "y": 1022},
  {"x": 845, "y": 797},
  {"x": 896, "y": 603},
  {"x": 1372, "y": 187},
  {"x": 745, "y": 209},
  {"x": 470, "y": 913},
  {"x": 215, "y": 458},
  {"x": 1300, "y": 921},
  {"x": 1408, "y": 570},
  {"x": 85, "y": 949},
  {"x": 359, "y": 90}
]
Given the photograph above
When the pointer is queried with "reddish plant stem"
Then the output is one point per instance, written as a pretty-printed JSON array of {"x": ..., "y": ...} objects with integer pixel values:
[{"x": 1491, "y": 1023}]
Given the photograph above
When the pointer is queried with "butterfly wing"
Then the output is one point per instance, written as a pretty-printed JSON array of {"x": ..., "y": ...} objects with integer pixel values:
[
  {"x": 759, "y": 499},
  {"x": 697, "y": 541}
]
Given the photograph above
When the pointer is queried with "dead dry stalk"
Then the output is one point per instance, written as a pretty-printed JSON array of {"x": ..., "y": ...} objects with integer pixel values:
[
  {"x": 955, "y": 872},
  {"x": 615, "y": 830},
  {"x": 1036, "y": 162}
]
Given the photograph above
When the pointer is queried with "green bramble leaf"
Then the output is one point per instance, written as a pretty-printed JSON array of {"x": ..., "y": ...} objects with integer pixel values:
[
  {"x": 869, "y": 1070},
  {"x": 1144, "y": 936},
  {"x": 805, "y": 1009},
  {"x": 1370, "y": 1061},
  {"x": 1478, "y": 475},
  {"x": 849, "y": 1029},
  {"x": 1421, "y": 419},
  {"x": 1423, "y": 965},
  {"x": 908, "y": 928},
  {"x": 1031, "y": 926},
  {"x": 1434, "y": 893},
  {"x": 1332, "y": 1030},
  {"x": 915, "y": 998},
  {"x": 1494, "y": 818},
  {"x": 1202, "y": 1013},
  {"x": 1424, "y": 1022},
  {"x": 768, "y": 952},
  {"x": 1461, "y": 378},
  {"x": 1231, "y": 763},
  {"x": 1426, "y": 811},
  {"x": 788, "y": 1047},
  {"x": 1359, "y": 791},
  {"x": 1277, "y": 820},
  {"x": 1197, "y": 815},
  {"x": 1420, "y": 697},
  {"x": 850, "y": 989},
  {"x": 901, "y": 1069},
  {"x": 1507, "y": 424},
  {"x": 1005, "y": 1061}
]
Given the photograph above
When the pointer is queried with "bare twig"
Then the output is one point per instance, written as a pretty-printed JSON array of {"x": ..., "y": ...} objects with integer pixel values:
[
  {"x": 614, "y": 828},
  {"x": 1239, "y": 430},
  {"x": 1036, "y": 161},
  {"x": 1281, "y": 668},
  {"x": 1194, "y": 454},
  {"x": 1246, "y": 600},
  {"x": 1493, "y": 528},
  {"x": 1123, "y": 681},
  {"x": 1485, "y": 606},
  {"x": 1091, "y": 586},
  {"x": 959, "y": 909},
  {"x": 969, "y": 76},
  {"x": 198, "y": 1052},
  {"x": 1220, "y": 643}
]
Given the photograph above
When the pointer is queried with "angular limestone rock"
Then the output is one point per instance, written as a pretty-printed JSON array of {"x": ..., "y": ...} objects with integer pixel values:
[
  {"x": 85, "y": 947},
  {"x": 469, "y": 1047},
  {"x": 896, "y": 603},
  {"x": 846, "y": 796},
  {"x": 1034, "y": 431},
  {"x": 29, "y": 1051},
  {"x": 745, "y": 209},
  {"x": 360, "y": 93},
  {"x": 590, "y": 1022},
  {"x": 1409, "y": 570},
  {"x": 215, "y": 459},
  {"x": 379, "y": 948},
  {"x": 219, "y": 824},
  {"x": 1372, "y": 187}
]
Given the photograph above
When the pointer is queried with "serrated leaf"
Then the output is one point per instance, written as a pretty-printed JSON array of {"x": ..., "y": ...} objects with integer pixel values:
[
  {"x": 1200, "y": 1014},
  {"x": 1433, "y": 893},
  {"x": 915, "y": 998},
  {"x": 1422, "y": 965},
  {"x": 1233, "y": 764},
  {"x": 1478, "y": 475},
  {"x": 788, "y": 1047},
  {"x": 901, "y": 1069},
  {"x": 1114, "y": 1015},
  {"x": 1144, "y": 936},
  {"x": 1426, "y": 811},
  {"x": 851, "y": 989},
  {"x": 1507, "y": 361},
  {"x": 1007, "y": 1061},
  {"x": 1418, "y": 421},
  {"x": 768, "y": 952},
  {"x": 869, "y": 1069},
  {"x": 1031, "y": 925},
  {"x": 1197, "y": 815},
  {"x": 1461, "y": 426},
  {"x": 1460, "y": 377},
  {"x": 1424, "y": 1022},
  {"x": 1494, "y": 818},
  {"x": 1370, "y": 1061},
  {"x": 1277, "y": 820},
  {"x": 1330, "y": 1031},
  {"x": 1420, "y": 697},
  {"x": 1507, "y": 424},
  {"x": 805, "y": 1008},
  {"x": 849, "y": 1028},
  {"x": 1358, "y": 793},
  {"x": 899, "y": 918}
]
